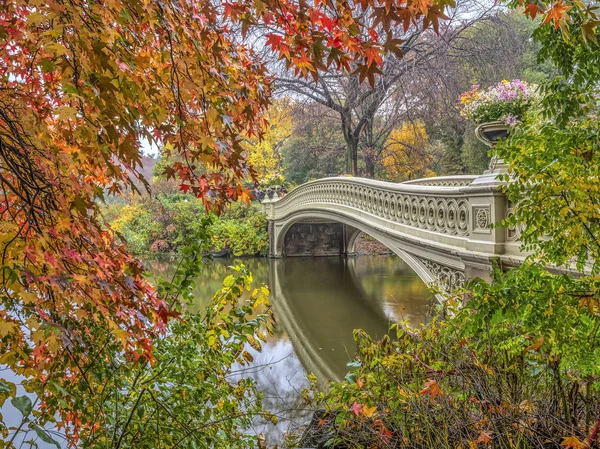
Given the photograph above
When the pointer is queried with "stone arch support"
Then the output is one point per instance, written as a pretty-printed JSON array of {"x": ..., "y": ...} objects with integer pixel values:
[{"x": 444, "y": 270}]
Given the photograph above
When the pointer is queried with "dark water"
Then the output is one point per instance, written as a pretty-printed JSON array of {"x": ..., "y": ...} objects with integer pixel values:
[{"x": 318, "y": 302}]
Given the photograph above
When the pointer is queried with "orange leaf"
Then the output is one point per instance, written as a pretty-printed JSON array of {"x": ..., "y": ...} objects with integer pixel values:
[
  {"x": 485, "y": 437},
  {"x": 432, "y": 389},
  {"x": 573, "y": 442},
  {"x": 556, "y": 13},
  {"x": 537, "y": 345}
]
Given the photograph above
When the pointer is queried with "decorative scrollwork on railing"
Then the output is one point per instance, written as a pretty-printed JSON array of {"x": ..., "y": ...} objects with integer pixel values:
[
  {"x": 446, "y": 213},
  {"x": 446, "y": 278},
  {"x": 513, "y": 231}
]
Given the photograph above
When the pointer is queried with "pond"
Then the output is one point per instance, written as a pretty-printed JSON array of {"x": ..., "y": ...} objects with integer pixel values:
[{"x": 318, "y": 302}]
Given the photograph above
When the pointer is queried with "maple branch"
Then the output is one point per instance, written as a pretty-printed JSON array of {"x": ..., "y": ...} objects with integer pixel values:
[{"x": 130, "y": 417}]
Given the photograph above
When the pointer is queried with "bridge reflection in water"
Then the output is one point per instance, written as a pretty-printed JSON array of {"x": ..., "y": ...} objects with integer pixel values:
[{"x": 319, "y": 302}]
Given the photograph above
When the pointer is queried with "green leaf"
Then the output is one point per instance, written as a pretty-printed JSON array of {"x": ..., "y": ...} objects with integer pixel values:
[
  {"x": 22, "y": 404},
  {"x": 5, "y": 388},
  {"x": 44, "y": 436}
]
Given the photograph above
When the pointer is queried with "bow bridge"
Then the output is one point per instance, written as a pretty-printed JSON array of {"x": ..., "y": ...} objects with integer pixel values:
[{"x": 441, "y": 227}]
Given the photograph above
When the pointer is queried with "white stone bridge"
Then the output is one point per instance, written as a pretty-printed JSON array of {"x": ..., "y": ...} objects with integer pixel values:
[{"x": 440, "y": 226}]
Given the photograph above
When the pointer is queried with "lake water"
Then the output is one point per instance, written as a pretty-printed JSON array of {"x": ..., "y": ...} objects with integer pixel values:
[{"x": 317, "y": 302}]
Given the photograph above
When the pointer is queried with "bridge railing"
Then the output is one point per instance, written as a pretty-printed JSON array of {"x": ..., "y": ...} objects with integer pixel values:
[
  {"x": 453, "y": 211},
  {"x": 444, "y": 181}
]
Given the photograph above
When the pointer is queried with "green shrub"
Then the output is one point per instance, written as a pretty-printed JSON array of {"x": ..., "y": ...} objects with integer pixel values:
[
  {"x": 164, "y": 223},
  {"x": 241, "y": 236},
  {"x": 514, "y": 367}
]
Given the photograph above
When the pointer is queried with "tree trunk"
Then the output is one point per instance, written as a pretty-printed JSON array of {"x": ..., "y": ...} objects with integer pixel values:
[
  {"x": 351, "y": 147},
  {"x": 370, "y": 168}
]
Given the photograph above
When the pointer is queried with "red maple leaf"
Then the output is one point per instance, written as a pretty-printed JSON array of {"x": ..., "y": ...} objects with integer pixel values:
[
  {"x": 532, "y": 9},
  {"x": 356, "y": 408},
  {"x": 274, "y": 40}
]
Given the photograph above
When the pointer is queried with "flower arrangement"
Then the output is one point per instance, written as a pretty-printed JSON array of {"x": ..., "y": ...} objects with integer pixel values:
[
  {"x": 274, "y": 179},
  {"x": 507, "y": 101}
]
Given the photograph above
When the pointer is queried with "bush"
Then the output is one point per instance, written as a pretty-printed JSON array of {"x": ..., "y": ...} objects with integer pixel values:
[
  {"x": 164, "y": 223},
  {"x": 515, "y": 367},
  {"x": 137, "y": 226},
  {"x": 246, "y": 235}
]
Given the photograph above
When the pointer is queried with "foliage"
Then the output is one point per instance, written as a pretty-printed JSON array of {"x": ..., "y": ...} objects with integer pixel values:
[
  {"x": 557, "y": 188},
  {"x": 163, "y": 224},
  {"x": 406, "y": 155},
  {"x": 501, "y": 372},
  {"x": 553, "y": 154},
  {"x": 508, "y": 101},
  {"x": 316, "y": 146},
  {"x": 156, "y": 224},
  {"x": 245, "y": 234},
  {"x": 265, "y": 153},
  {"x": 500, "y": 48},
  {"x": 185, "y": 397}
]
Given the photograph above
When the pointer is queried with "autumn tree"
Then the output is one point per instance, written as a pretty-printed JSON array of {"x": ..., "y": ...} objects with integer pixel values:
[
  {"x": 407, "y": 154},
  {"x": 264, "y": 154},
  {"x": 316, "y": 147},
  {"x": 369, "y": 111}
]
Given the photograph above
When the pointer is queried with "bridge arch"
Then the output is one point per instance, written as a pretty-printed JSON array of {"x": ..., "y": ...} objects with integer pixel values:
[{"x": 447, "y": 272}]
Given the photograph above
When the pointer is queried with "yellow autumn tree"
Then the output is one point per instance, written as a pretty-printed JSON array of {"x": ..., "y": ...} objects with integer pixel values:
[
  {"x": 264, "y": 155},
  {"x": 405, "y": 155}
]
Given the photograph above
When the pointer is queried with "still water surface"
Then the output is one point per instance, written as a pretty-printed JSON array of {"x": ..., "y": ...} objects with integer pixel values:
[{"x": 318, "y": 302}]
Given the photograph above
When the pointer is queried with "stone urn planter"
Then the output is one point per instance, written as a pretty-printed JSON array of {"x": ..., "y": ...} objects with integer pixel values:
[{"x": 490, "y": 132}]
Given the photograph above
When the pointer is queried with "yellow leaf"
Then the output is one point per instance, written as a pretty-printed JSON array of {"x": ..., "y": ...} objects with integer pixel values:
[
  {"x": 57, "y": 49},
  {"x": 66, "y": 112},
  {"x": 369, "y": 411},
  {"x": 228, "y": 281},
  {"x": 212, "y": 339},
  {"x": 7, "y": 327}
]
